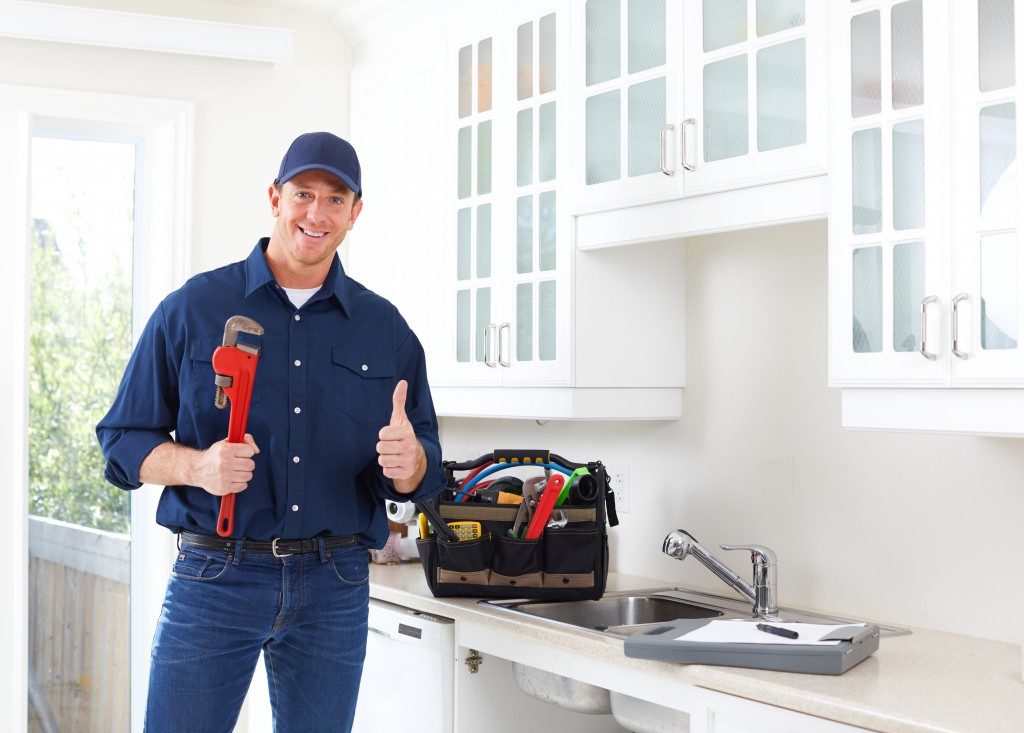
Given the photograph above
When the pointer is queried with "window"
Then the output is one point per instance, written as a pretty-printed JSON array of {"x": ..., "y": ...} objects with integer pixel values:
[
  {"x": 80, "y": 335},
  {"x": 95, "y": 216}
]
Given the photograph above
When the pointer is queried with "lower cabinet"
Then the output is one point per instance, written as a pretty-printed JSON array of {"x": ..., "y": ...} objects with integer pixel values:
[{"x": 488, "y": 696}]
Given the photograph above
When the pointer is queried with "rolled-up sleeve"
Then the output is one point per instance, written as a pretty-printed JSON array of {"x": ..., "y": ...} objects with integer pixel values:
[
  {"x": 419, "y": 408},
  {"x": 144, "y": 410}
]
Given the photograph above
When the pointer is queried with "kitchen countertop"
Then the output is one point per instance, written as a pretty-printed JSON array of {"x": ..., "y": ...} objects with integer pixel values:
[{"x": 925, "y": 682}]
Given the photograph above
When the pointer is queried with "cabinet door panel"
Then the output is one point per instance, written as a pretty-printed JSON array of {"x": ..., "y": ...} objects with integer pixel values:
[
  {"x": 754, "y": 85},
  {"x": 889, "y": 262},
  {"x": 540, "y": 231},
  {"x": 464, "y": 349},
  {"x": 989, "y": 271},
  {"x": 624, "y": 88}
]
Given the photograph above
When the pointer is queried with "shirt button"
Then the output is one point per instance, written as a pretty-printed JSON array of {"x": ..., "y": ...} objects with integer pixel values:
[
  {"x": 365, "y": 367},
  {"x": 295, "y": 459},
  {"x": 298, "y": 410},
  {"x": 298, "y": 363},
  {"x": 298, "y": 317},
  {"x": 295, "y": 507}
]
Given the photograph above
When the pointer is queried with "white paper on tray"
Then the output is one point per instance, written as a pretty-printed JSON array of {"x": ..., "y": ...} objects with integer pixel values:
[{"x": 746, "y": 632}]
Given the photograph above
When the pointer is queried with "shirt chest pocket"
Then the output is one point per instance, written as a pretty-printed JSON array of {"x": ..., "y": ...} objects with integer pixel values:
[
  {"x": 363, "y": 383},
  {"x": 204, "y": 390}
]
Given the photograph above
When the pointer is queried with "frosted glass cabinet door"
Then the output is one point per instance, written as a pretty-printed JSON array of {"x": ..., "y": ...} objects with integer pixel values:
[
  {"x": 507, "y": 298},
  {"x": 988, "y": 275},
  {"x": 754, "y": 93},
  {"x": 470, "y": 296},
  {"x": 889, "y": 230},
  {"x": 625, "y": 77},
  {"x": 533, "y": 346}
]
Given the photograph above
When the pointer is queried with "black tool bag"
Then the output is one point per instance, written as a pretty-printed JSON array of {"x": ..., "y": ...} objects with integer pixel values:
[{"x": 565, "y": 563}]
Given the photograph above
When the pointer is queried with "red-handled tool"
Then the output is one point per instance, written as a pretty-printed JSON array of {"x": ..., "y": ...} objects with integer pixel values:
[
  {"x": 234, "y": 367},
  {"x": 543, "y": 511}
]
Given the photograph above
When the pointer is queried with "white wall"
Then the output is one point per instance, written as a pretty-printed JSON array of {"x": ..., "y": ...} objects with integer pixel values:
[
  {"x": 246, "y": 113},
  {"x": 914, "y": 529}
]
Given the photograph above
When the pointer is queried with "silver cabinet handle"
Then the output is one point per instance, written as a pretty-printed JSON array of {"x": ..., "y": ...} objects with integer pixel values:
[
  {"x": 665, "y": 130},
  {"x": 692, "y": 122},
  {"x": 501, "y": 344},
  {"x": 924, "y": 327},
  {"x": 956, "y": 326},
  {"x": 488, "y": 336}
]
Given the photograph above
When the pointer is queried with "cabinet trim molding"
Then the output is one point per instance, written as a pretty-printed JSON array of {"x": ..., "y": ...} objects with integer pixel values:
[
  {"x": 787, "y": 202},
  {"x": 559, "y": 403},
  {"x": 995, "y": 412},
  {"x": 144, "y": 32}
]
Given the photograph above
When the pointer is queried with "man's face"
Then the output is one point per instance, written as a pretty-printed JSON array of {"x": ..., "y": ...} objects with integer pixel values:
[{"x": 314, "y": 211}]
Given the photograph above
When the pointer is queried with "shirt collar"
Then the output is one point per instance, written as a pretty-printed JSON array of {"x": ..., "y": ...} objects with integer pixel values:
[{"x": 258, "y": 274}]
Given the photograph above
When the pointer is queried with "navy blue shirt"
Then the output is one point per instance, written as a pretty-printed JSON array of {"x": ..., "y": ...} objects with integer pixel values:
[{"x": 322, "y": 392}]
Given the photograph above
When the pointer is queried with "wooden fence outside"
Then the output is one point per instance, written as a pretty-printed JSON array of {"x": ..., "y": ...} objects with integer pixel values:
[{"x": 79, "y": 674}]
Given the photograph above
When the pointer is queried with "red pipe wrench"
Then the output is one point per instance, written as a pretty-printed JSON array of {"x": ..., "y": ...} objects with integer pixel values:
[{"x": 234, "y": 367}]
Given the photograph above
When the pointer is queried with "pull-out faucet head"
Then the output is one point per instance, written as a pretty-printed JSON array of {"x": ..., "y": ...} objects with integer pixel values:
[
  {"x": 678, "y": 543},
  {"x": 762, "y": 593}
]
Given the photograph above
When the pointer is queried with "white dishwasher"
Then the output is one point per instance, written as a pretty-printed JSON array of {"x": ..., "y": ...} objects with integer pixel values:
[{"x": 409, "y": 672}]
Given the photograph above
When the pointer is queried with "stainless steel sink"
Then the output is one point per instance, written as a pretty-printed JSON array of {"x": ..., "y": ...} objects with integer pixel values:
[
  {"x": 615, "y": 612},
  {"x": 623, "y": 613}
]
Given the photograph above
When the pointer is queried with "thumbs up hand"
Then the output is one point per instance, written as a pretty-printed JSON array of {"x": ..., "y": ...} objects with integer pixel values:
[{"x": 399, "y": 452}]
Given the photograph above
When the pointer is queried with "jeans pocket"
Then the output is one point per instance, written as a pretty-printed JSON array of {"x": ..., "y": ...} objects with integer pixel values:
[
  {"x": 351, "y": 566},
  {"x": 192, "y": 565}
]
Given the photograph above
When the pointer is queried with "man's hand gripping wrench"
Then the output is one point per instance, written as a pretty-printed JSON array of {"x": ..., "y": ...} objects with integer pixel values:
[{"x": 234, "y": 367}]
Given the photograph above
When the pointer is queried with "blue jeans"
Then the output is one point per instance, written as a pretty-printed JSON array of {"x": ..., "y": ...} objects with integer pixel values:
[{"x": 307, "y": 613}]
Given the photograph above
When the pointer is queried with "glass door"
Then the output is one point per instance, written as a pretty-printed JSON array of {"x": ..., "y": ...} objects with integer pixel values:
[
  {"x": 989, "y": 272},
  {"x": 81, "y": 249},
  {"x": 471, "y": 295},
  {"x": 533, "y": 347},
  {"x": 628, "y": 148},
  {"x": 889, "y": 231},
  {"x": 754, "y": 86}
]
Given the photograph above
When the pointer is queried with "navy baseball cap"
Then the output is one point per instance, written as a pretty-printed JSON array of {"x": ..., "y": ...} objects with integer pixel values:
[{"x": 321, "y": 151}]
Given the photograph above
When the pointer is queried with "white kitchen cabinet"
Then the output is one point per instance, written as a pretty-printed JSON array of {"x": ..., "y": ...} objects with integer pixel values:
[
  {"x": 507, "y": 297},
  {"x": 491, "y": 694},
  {"x": 466, "y": 226},
  {"x": 754, "y": 95},
  {"x": 925, "y": 271},
  {"x": 626, "y": 70},
  {"x": 681, "y": 99}
]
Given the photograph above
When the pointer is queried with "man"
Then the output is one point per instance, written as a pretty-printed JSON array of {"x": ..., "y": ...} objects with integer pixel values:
[{"x": 341, "y": 418}]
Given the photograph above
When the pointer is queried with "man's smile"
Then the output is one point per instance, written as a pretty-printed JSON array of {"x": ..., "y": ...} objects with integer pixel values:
[{"x": 312, "y": 233}]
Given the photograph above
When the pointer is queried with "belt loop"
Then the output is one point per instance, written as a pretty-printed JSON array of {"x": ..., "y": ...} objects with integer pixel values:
[
  {"x": 321, "y": 547},
  {"x": 238, "y": 552}
]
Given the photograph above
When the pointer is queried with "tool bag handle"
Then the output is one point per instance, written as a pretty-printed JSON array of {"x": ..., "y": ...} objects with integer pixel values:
[{"x": 515, "y": 456}]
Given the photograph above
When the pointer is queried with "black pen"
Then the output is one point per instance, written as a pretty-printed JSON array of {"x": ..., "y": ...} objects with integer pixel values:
[{"x": 778, "y": 631}]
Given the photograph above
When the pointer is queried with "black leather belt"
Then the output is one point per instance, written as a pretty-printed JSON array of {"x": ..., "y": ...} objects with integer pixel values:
[{"x": 277, "y": 548}]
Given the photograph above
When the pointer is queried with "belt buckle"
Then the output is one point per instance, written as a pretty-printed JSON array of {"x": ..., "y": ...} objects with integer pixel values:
[{"x": 273, "y": 549}]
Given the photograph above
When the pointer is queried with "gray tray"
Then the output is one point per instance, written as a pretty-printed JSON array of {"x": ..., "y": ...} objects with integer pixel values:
[{"x": 660, "y": 643}]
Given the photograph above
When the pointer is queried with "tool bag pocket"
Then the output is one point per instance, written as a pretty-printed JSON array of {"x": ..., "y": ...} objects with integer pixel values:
[
  {"x": 517, "y": 563},
  {"x": 569, "y": 561}
]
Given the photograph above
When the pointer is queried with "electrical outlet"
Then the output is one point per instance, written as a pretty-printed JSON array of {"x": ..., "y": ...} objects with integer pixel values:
[{"x": 619, "y": 475}]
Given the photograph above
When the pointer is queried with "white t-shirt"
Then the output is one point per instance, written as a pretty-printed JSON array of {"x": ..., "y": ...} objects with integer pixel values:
[{"x": 299, "y": 296}]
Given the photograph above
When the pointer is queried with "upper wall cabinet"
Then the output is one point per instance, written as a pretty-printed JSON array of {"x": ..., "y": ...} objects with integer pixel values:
[
  {"x": 679, "y": 99},
  {"x": 925, "y": 265},
  {"x": 467, "y": 226},
  {"x": 506, "y": 290}
]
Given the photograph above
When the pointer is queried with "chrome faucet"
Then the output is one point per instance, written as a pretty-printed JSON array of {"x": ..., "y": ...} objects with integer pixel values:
[{"x": 763, "y": 593}]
